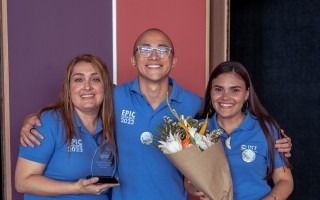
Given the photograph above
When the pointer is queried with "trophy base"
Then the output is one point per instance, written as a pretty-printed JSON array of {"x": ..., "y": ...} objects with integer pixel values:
[{"x": 105, "y": 179}]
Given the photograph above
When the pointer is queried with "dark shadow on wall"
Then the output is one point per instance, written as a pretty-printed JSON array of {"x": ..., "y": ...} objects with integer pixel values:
[{"x": 279, "y": 43}]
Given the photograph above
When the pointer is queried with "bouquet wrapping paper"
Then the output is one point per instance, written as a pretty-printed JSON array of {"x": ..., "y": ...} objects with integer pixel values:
[{"x": 207, "y": 170}]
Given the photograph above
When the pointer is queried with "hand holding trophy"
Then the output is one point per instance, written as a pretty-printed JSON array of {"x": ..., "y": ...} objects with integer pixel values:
[{"x": 104, "y": 163}]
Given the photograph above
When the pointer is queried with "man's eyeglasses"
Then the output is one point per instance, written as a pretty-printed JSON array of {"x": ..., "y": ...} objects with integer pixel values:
[{"x": 146, "y": 51}]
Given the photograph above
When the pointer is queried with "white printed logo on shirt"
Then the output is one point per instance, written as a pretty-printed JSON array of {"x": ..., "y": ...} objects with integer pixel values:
[
  {"x": 248, "y": 153},
  {"x": 127, "y": 117},
  {"x": 75, "y": 146}
]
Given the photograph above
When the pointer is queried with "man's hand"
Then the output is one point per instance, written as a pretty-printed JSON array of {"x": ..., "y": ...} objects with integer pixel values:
[
  {"x": 28, "y": 133},
  {"x": 284, "y": 145}
]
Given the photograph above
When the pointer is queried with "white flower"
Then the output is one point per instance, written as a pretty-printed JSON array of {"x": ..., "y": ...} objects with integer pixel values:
[
  {"x": 202, "y": 141},
  {"x": 171, "y": 145},
  {"x": 192, "y": 131}
]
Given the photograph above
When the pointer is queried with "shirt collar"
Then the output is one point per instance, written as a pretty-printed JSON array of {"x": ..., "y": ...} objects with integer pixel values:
[
  {"x": 84, "y": 129},
  {"x": 175, "y": 92},
  {"x": 247, "y": 124}
]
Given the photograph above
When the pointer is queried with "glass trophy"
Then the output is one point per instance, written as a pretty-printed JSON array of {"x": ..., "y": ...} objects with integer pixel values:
[{"x": 104, "y": 163}]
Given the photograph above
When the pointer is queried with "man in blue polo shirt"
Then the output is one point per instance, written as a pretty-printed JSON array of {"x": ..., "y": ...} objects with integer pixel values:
[{"x": 144, "y": 171}]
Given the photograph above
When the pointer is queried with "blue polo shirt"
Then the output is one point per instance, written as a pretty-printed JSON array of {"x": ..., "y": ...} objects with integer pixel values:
[
  {"x": 144, "y": 171},
  {"x": 63, "y": 163},
  {"x": 248, "y": 158}
]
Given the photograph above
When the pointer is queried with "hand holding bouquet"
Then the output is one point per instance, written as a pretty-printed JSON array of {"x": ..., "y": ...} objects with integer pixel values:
[{"x": 197, "y": 153}]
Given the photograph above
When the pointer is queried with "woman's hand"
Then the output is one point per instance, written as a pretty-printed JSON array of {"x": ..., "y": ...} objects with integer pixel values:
[
  {"x": 90, "y": 186},
  {"x": 194, "y": 191}
]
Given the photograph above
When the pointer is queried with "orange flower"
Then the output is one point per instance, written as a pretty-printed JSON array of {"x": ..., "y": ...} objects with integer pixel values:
[
  {"x": 204, "y": 126},
  {"x": 186, "y": 141}
]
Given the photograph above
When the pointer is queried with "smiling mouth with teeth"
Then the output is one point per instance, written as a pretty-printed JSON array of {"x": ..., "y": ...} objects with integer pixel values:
[
  {"x": 153, "y": 66},
  {"x": 226, "y": 104},
  {"x": 87, "y": 95}
]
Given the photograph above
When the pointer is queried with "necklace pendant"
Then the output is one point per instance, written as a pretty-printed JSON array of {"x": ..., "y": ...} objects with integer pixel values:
[{"x": 228, "y": 142}]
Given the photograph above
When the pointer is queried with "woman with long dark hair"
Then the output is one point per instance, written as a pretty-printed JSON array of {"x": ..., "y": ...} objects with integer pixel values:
[{"x": 249, "y": 135}]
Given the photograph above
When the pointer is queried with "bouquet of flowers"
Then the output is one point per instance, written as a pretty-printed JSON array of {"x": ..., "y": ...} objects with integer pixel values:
[{"x": 197, "y": 153}]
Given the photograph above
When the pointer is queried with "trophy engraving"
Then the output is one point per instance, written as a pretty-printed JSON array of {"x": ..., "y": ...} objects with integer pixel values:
[{"x": 104, "y": 163}]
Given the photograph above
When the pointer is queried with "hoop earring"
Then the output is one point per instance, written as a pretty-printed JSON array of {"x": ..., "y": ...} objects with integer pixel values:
[{"x": 245, "y": 106}]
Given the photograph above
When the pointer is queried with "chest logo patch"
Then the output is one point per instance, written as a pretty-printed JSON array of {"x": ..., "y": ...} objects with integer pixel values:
[{"x": 248, "y": 153}]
